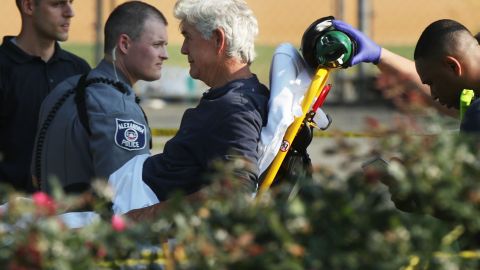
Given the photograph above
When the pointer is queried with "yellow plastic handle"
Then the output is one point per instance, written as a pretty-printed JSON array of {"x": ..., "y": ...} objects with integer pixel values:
[{"x": 316, "y": 87}]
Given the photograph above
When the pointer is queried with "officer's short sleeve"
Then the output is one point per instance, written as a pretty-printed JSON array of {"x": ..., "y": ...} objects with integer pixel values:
[{"x": 118, "y": 127}]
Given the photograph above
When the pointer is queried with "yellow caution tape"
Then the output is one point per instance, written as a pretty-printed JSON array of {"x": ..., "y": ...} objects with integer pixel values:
[
  {"x": 413, "y": 262},
  {"x": 162, "y": 261},
  {"x": 130, "y": 263},
  {"x": 163, "y": 132},
  {"x": 466, "y": 254},
  {"x": 170, "y": 132}
]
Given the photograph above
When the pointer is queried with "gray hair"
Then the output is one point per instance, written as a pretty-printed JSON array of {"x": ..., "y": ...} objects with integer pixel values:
[{"x": 233, "y": 16}]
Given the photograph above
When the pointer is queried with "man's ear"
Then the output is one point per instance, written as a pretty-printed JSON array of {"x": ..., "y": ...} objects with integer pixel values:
[
  {"x": 454, "y": 65},
  {"x": 123, "y": 43},
  {"x": 27, "y": 6},
  {"x": 220, "y": 42}
]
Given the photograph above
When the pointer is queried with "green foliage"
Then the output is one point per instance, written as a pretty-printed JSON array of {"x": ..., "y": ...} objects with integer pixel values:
[
  {"x": 332, "y": 222},
  {"x": 405, "y": 51},
  {"x": 437, "y": 175}
]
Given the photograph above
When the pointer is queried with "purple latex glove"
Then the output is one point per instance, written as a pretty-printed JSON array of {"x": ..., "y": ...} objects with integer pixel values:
[{"x": 367, "y": 50}]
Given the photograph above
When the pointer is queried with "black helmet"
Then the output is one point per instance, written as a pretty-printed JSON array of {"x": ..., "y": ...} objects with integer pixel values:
[{"x": 323, "y": 45}]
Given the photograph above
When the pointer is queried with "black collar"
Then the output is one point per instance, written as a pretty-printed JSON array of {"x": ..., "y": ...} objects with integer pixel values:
[
  {"x": 214, "y": 93},
  {"x": 19, "y": 56}
]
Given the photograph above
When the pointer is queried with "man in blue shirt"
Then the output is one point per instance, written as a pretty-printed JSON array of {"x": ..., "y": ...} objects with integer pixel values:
[
  {"x": 31, "y": 65},
  {"x": 225, "y": 125}
]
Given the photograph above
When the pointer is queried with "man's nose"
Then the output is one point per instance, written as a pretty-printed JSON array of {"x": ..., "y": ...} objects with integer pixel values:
[
  {"x": 183, "y": 50},
  {"x": 164, "y": 54},
  {"x": 68, "y": 12}
]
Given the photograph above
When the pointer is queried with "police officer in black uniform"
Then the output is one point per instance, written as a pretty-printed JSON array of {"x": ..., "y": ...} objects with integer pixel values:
[{"x": 31, "y": 65}]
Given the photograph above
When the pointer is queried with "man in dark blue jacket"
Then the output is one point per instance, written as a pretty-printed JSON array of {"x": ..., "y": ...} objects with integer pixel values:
[{"x": 226, "y": 124}]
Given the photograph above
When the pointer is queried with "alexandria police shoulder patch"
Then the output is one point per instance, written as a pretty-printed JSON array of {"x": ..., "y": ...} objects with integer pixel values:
[{"x": 130, "y": 135}]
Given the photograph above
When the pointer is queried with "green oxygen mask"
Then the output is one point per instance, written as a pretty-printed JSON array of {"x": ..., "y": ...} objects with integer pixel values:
[
  {"x": 333, "y": 49},
  {"x": 325, "y": 46}
]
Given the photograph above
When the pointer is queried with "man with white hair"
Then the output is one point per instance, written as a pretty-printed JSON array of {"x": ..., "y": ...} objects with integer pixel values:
[{"x": 226, "y": 124}]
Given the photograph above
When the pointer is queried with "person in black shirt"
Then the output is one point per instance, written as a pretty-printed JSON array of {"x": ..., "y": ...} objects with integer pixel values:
[
  {"x": 31, "y": 65},
  {"x": 445, "y": 63}
]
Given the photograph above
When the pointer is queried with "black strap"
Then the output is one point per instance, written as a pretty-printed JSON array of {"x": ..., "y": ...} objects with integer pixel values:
[
  {"x": 297, "y": 163},
  {"x": 80, "y": 102},
  {"x": 79, "y": 91},
  {"x": 37, "y": 183},
  {"x": 138, "y": 100},
  {"x": 81, "y": 105}
]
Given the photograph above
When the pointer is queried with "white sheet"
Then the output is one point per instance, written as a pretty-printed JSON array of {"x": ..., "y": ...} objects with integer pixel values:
[
  {"x": 290, "y": 78},
  {"x": 130, "y": 192}
]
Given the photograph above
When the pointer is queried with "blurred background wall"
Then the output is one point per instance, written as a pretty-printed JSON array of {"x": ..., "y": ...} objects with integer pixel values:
[
  {"x": 391, "y": 22},
  {"x": 395, "y": 24}
]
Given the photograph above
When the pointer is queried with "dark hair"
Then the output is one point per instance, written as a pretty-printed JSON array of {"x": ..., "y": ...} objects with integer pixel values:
[
  {"x": 438, "y": 37},
  {"x": 129, "y": 18},
  {"x": 18, "y": 3}
]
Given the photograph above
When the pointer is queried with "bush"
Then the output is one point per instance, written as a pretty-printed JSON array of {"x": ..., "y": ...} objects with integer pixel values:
[{"x": 329, "y": 222}]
